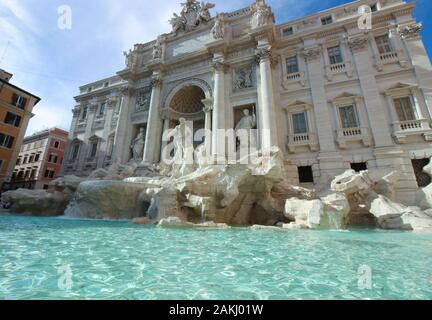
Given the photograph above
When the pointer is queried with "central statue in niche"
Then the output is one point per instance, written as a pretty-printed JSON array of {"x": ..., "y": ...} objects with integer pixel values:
[
  {"x": 137, "y": 146},
  {"x": 243, "y": 130}
]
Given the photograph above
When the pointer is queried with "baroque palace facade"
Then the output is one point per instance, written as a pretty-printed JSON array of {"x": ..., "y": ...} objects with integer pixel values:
[{"x": 333, "y": 96}]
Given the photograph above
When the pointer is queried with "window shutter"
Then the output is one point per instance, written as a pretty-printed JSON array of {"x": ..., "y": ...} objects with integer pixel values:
[
  {"x": 10, "y": 143},
  {"x": 23, "y": 103},
  {"x": 14, "y": 99}
]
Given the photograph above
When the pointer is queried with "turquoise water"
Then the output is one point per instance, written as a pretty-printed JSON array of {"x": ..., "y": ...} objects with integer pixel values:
[{"x": 117, "y": 260}]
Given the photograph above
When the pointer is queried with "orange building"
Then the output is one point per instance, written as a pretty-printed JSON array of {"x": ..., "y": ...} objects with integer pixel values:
[
  {"x": 40, "y": 159},
  {"x": 16, "y": 106}
]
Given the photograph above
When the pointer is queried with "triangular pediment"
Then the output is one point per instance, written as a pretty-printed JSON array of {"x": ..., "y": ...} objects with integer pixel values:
[
  {"x": 94, "y": 137},
  {"x": 401, "y": 85},
  {"x": 345, "y": 95},
  {"x": 297, "y": 103}
]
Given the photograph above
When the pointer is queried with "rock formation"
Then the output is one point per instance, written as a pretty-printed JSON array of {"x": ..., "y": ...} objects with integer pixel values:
[{"x": 215, "y": 196}]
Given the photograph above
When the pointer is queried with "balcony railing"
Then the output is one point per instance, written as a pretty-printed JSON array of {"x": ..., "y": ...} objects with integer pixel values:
[
  {"x": 349, "y": 132},
  {"x": 339, "y": 68},
  {"x": 296, "y": 77},
  {"x": 402, "y": 129},
  {"x": 391, "y": 57},
  {"x": 345, "y": 135},
  {"x": 302, "y": 139}
]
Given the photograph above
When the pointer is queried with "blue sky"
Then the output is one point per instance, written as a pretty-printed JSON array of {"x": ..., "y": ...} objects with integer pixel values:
[{"x": 52, "y": 63}]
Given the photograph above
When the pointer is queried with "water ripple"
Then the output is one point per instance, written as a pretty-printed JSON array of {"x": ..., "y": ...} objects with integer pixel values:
[{"x": 117, "y": 260}]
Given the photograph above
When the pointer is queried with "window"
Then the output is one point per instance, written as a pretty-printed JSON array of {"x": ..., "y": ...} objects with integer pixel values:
[
  {"x": 33, "y": 174},
  {"x": 1, "y": 163},
  {"x": 37, "y": 156},
  {"x": 292, "y": 65},
  {"x": 18, "y": 162},
  {"x": 19, "y": 101},
  {"x": 49, "y": 174},
  {"x": 31, "y": 159},
  {"x": 106, "y": 84},
  {"x": 25, "y": 160},
  {"x": 383, "y": 43},
  {"x": 374, "y": 7},
  {"x": 93, "y": 149},
  {"x": 6, "y": 141},
  {"x": 423, "y": 179},
  {"x": 56, "y": 144},
  {"x": 300, "y": 123},
  {"x": 305, "y": 174},
  {"x": 89, "y": 89},
  {"x": 84, "y": 113},
  {"x": 335, "y": 55},
  {"x": 53, "y": 158},
  {"x": 102, "y": 109},
  {"x": 348, "y": 116},
  {"x": 326, "y": 20},
  {"x": 288, "y": 31},
  {"x": 75, "y": 151},
  {"x": 12, "y": 119},
  {"x": 357, "y": 167},
  {"x": 405, "y": 109},
  {"x": 27, "y": 174}
]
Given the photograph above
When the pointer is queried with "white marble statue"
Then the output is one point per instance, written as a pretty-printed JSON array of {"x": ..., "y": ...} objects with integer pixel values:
[
  {"x": 183, "y": 150},
  {"x": 178, "y": 23},
  {"x": 218, "y": 30},
  {"x": 204, "y": 12},
  {"x": 157, "y": 50},
  {"x": 137, "y": 146},
  {"x": 243, "y": 130},
  {"x": 262, "y": 14},
  {"x": 130, "y": 59},
  {"x": 192, "y": 15}
]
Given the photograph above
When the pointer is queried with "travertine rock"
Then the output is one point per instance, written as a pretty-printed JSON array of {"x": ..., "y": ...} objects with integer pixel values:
[
  {"x": 143, "y": 221},
  {"x": 258, "y": 227},
  {"x": 105, "y": 199},
  {"x": 305, "y": 212},
  {"x": 36, "y": 202},
  {"x": 388, "y": 213},
  {"x": 67, "y": 184},
  {"x": 336, "y": 210},
  {"x": 175, "y": 222},
  {"x": 351, "y": 182}
]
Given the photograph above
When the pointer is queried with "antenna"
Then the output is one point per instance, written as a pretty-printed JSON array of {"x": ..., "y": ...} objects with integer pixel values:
[{"x": 4, "y": 52}]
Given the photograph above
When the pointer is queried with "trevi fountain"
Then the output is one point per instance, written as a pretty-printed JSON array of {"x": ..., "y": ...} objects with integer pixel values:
[{"x": 210, "y": 222}]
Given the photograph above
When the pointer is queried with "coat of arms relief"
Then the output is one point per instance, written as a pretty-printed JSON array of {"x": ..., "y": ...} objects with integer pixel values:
[{"x": 192, "y": 15}]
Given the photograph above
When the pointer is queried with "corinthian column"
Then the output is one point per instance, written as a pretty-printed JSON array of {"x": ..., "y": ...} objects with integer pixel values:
[
  {"x": 121, "y": 149},
  {"x": 208, "y": 107},
  {"x": 266, "y": 109},
  {"x": 218, "y": 118},
  {"x": 154, "y": 124}
]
